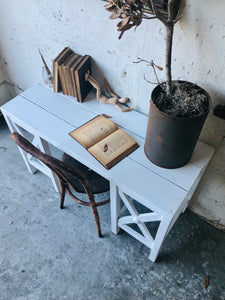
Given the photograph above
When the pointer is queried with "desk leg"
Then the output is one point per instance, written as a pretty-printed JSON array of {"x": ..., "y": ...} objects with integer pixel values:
[
  {"x": 115, "y": 207},
  {"x": 140, "y": 219},
  {"x": 41, "y": 144},
  {"x": 159, "y": 238},
  {"x": 15, "y": 128}
]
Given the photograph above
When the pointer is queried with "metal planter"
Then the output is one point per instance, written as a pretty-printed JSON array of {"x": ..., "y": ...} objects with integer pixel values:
[{"x": 170, "y": 141}]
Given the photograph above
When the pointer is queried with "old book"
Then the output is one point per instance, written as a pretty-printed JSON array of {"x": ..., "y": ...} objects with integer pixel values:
[
  {"x": 61, "y": 74},
  {"x": 104, "y": 140},
  {"x": 56, "y": 62},
  {"x": 67, "y": 76},
  {"x": 72, "y": 74},
  {"x": 82, "y": 86}
]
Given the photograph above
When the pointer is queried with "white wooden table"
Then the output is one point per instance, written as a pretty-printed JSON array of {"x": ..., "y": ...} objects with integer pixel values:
[{"x": 165, "y": 193}]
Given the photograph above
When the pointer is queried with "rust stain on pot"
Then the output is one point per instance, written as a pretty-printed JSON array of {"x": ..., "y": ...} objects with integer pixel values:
[{"x": 170, "y": 140}]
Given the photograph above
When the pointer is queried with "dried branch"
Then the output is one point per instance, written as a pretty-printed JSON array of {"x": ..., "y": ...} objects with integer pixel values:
[
  {"x": 151, "y": 82},
  {"x": 157, "y": 13},
  {"x": 45, "y": 64},
  {"x": 132, "y": 12},
  {"x": 170, "y": 10},
  {"x": 153, "y": 65},
  {"x": 173, "y": 9},
  {"x": 178, "y": 19}
]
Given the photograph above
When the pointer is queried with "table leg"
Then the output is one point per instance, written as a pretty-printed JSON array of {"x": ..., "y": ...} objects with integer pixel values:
[
  {"x": 33, "y": 165},
  {"x": 115, "y": 207},
  {"x": 15, "y": 128},
  {"x": 140, "y": 219},
  {"x": 159, "y": 238}
]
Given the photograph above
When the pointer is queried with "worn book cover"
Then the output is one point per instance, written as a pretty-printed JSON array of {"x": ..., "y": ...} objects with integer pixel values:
[
  {"x": 104, "y": 140},
  {"x": 82, "y": 86},
  {"x": 62, "y": 73},
  {"x": 66, "y": 71},
  {"x": 61, "y": 57},
  {"x": 72, "y": 73}
]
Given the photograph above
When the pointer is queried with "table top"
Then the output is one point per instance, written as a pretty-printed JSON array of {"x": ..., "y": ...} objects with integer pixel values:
[{"x": 53, "y": 115}]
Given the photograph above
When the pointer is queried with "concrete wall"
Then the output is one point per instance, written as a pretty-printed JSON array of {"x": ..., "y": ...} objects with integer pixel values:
[
  {"x": 198, "y": 56},
  {"x": 5, "y": 89}
]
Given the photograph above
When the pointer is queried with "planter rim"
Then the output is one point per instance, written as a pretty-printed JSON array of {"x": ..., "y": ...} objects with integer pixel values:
[{"x": 180, "y": 118}]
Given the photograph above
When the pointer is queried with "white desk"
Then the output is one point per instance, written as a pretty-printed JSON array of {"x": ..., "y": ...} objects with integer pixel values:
[{"x": 49, "y": 117}]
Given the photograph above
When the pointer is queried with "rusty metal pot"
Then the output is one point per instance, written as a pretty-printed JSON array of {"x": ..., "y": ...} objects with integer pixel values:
[{"x": 170, "y": 141}]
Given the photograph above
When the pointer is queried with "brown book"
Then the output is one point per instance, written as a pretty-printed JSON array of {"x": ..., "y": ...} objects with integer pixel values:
[
  {"x": 82, "y": 86},
  {"x": 61, "y": 74},
  {"x": 67, "y": 76},
  {"x": 72, "y": 68},
  {"x": 104, "y": 140},
  {"x": 56, "y": 62}
]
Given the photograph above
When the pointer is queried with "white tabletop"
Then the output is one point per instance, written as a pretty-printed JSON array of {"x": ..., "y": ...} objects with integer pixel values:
[{"x": 53, "y": 116}]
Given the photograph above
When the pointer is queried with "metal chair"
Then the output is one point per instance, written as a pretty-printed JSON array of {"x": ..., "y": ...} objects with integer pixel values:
[{"x": 72, "y": 175}]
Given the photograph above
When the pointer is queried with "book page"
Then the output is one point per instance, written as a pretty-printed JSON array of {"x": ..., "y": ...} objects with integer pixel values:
[
  {"x": 113, "y": 147},
  {"x": 93, "y": 131}
]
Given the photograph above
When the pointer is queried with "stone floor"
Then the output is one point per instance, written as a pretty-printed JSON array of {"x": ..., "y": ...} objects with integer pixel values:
[{"x": 48, "y": 253}]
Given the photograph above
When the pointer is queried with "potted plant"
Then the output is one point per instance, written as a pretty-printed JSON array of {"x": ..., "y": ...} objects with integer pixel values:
[{"x": 178, "y": 108}]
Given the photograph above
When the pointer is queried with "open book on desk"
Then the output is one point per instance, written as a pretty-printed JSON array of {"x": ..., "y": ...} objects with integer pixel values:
[{"x": 104, "y": 140}]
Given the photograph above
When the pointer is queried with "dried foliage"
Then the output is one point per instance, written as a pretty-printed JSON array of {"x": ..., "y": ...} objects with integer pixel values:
[
  {"x": 186, "y": 100},
  {"x": 176, "y": 98},
  {"x": 153, "y": 65},
  {"x": 132, "y": 12}
]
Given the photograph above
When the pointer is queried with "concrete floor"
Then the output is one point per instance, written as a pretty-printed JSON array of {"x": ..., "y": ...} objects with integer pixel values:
[{"x": 48, "y": 253}]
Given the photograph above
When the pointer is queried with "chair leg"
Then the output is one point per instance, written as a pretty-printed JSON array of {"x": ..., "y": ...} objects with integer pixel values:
[
  {"x": 62, "y": 195},
  {"x": 96, "y": 217}
]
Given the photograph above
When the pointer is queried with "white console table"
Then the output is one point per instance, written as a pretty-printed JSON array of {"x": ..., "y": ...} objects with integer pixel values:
[{"x": 164, "y": 193}]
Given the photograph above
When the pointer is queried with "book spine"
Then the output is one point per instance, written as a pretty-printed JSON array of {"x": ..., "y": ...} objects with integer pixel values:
[
  {"x": 68, "y": 81},
  {"x": 62, "y": 79},
  {"x": 72, "y": 74},
  {"x": 78, "y": 91},
  {"x": 73, "y": 83},
  {"x": 55, "y": 77}
]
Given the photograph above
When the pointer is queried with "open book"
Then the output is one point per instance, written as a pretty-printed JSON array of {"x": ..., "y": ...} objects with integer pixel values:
[{"x": 104, "y": 140}]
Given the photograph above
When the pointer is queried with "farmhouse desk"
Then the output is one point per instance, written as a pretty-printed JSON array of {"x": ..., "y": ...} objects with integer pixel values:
[{"x": 164, "y": 193}]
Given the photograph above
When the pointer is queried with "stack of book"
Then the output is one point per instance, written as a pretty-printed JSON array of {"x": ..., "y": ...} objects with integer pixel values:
[{"x": 69, "y": 71}]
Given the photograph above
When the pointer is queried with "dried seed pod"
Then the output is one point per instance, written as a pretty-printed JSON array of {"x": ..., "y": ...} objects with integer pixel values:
[
  {"x": 206, "y": 281},
  {"x": 125, "y": 27},
  {"x": 158, "y": 67},
  {"x": 123, "y": 22},
  {"x": 114, "y": 16},
  {"x": 105, "y": 148}
]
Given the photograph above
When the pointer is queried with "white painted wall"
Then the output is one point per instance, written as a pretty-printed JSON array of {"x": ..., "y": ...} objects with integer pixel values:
[
  {"x": 198, "y": 56},
  {"x": 5, "y": 90}
]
